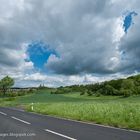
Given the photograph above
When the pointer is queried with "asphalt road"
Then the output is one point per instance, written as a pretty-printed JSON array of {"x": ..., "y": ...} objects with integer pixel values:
[{"x": 20, "y": 125}]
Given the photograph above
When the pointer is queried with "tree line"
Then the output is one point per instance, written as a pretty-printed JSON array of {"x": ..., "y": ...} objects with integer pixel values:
[
  {"x": 119, "y": 87},
  {"x": 6, "y": 89}
]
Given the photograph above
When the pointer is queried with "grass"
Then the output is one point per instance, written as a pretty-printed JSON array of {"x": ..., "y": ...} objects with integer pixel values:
[{"x": 109, "y": 110}]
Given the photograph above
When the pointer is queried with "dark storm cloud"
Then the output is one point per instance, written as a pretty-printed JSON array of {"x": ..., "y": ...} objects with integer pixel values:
[{"x": 81, "y": 32}]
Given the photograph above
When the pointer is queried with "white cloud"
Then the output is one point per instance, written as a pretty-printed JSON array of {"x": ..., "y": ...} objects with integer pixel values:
[
  {"x": 87, "y": 35},
  {"x": 118, "y": 32}
]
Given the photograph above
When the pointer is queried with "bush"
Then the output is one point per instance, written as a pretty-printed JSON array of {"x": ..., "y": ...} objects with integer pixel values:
[
  {"x": 12, "y": 94},
  {"x": 30, "y": 90},
  {"x": 126, "y": 93},
  {"x": 116, "y": 92},
  {"x": 98, "y": 94},
  {"x": 10, "y": 99},
  {"x": 52, "y": 92},
  {"x": 89, "y": 93},
  {"x": 62, "y": 90},
  {"x": 59, "y": 92},
  {"x": 109, "y": 90},
  {"x": 136, "y": 90},
  {"x": 127, "y": 84},
  {"x": 82, "y": 93},
  {"x": 18, "y": 93}
]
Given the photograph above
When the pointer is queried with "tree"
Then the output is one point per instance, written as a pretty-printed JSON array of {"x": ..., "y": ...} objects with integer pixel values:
[
  {"x": 126, "y": 92},
  {"x": 128, "y": 87},
  {"x": 89, "y": 92},
  {"x": 127, "y": 84},
  {"x": 109, "y": 90},
  {"x": 6, "y": 83}
]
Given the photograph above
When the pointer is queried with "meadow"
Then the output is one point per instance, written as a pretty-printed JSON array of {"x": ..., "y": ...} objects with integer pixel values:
[{"x": 108, "y": 110}]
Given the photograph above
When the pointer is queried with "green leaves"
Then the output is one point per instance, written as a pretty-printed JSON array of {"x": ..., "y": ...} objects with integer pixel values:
[{"x": 6, "y": 83}]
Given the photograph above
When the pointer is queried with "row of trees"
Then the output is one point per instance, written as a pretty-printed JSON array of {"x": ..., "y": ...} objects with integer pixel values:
[
  {"x": 5, "y": 88},
  {"x": 6, "y": 83},
  {"x": 124, "y": 87},
  {"x": 120, "y": 87}
]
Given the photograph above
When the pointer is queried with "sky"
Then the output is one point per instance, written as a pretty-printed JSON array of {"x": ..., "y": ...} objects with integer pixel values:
[{"x": 59, "y": 43}]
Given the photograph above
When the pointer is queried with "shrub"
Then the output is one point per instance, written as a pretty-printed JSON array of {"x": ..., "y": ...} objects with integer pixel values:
[
  {"x": 109, "y": 90},
  {"x": 10, "y": 99},
  {"x": 136, "y": 90},
  {"x": 82, "y": 93},
  {"x": 52, "y": 92},
  {"x": 89, "y": 93},
  {"x": 59, "y": 92},
  {"x": 127, "y": 84},
  {"x": 98, "y": 94},
  {"x": 12, "y": 94},
  {"x": 126, "y": 93},
  {"x": 30, "y": 90}
]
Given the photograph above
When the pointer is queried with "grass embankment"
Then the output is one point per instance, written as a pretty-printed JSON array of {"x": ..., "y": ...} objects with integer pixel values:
[{"x": 108, "y": 110}]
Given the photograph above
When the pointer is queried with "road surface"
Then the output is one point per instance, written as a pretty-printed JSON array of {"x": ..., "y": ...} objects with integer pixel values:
[{"x": 20, "y": 125}]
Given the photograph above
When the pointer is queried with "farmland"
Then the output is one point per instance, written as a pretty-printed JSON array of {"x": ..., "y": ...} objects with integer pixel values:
[{"x": 108, "y": 110}]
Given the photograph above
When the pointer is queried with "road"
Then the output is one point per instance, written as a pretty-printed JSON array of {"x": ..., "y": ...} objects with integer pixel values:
[{"x": 20, "y": 125}]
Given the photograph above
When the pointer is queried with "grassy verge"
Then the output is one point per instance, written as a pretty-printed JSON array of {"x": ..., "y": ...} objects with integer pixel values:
[
  {"x": 108, "y": 110},
  {"x": 115, "y": 114}
]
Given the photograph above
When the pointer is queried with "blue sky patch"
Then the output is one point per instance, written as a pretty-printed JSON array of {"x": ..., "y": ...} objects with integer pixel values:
[
  {"x": 39, "y": 53},
  {"x": 128, "y": 20}
]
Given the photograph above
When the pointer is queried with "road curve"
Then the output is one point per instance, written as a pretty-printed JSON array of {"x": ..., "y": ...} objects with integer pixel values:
[{"x": 20, "y": 125}]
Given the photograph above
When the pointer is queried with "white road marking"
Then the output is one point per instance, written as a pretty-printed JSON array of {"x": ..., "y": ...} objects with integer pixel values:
[
  {"x": 20, "y": 120},
  {"x": 3, "y": 113},
  {"x": 87, "y": 123},
  {"x": 50, "y": 131}
]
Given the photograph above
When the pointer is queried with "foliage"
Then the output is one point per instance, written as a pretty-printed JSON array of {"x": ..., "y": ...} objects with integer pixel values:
[
  {"x": 61, "y": 90},
  {"x": 6, "y": 83},
  {"x": 123, "y": 87},
  {"x": 89, "y": 92},
  {"x": 82, "y": 93},
  {"x": 126, "y": 92}
]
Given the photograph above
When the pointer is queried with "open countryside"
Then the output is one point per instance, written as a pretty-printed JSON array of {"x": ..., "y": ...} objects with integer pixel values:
[
  {"x": 115, "y": 103},
  {"x": 70, "y": 70}
]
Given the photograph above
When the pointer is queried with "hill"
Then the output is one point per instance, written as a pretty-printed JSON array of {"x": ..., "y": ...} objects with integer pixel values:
[{"x": 119, "y": 87}]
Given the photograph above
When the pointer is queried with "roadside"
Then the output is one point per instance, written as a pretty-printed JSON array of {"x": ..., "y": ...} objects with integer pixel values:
[{"x": 110, "y": 111}]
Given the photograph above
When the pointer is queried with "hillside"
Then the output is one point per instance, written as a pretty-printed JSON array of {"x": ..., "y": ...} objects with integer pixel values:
[{"x": 119, "y": 87}]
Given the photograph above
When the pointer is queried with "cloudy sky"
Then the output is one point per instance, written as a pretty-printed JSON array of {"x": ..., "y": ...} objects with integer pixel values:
[{"x": 69, "y": 41}]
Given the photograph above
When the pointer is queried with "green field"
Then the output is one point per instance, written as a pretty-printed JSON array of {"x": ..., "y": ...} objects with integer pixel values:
[{"x": 109, "y": 110}]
